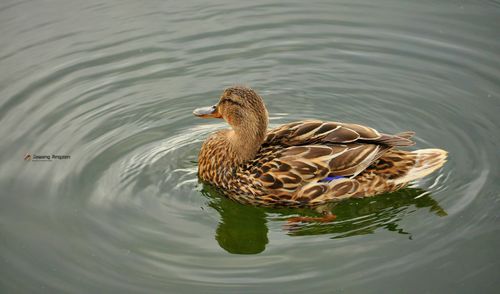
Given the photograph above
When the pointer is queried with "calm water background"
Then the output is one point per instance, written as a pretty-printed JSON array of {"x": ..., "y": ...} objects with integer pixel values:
[{"x": 113, "y": 84}]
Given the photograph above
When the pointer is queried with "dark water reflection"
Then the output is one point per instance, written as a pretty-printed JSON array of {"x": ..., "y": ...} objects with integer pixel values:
[{"x": 243, "y": 229}]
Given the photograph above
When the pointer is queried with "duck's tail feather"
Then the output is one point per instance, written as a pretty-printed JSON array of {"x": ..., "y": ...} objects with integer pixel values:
[
  {"x": 401, "y": 139},
  {"x": 406, "y": 135},
  {"x": 426, "y": 162}
]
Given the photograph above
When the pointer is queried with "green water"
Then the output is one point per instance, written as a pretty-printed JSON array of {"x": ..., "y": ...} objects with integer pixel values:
[{"x": 113, "y": 83}]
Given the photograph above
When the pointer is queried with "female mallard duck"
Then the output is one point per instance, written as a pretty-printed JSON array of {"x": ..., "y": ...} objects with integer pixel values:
[{"x": 306, "y": 163}]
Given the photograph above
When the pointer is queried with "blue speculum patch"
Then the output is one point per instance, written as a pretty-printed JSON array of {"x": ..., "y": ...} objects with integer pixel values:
[{"x": 329, "y": 179}]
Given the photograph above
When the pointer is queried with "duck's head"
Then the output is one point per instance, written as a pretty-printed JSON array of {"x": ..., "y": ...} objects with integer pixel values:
[
  {"x": 240, "y": 107},
  {"x": 245, "y": 112}
]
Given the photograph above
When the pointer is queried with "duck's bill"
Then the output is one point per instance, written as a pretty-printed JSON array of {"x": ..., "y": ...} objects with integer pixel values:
[{"x": 207, "y": 112}]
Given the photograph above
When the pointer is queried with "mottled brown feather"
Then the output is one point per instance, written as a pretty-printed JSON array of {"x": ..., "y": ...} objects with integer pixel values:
[{"x": 288, "y": 167}]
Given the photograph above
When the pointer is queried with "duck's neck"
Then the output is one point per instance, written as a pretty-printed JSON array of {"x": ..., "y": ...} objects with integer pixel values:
[
  {"x": 245, "y": 142},
  {"x": 226, "y": 150}
]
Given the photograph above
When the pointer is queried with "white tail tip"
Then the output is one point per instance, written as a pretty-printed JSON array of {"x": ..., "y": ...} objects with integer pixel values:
[{"x": 426, "y": 162}]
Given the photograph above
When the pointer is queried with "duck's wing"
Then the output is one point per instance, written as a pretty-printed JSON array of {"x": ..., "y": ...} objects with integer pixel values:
[
  {"x": 285, "y": 171},
  {"x": 318, "y": 132},
  {"x": 296, "y": 158}
]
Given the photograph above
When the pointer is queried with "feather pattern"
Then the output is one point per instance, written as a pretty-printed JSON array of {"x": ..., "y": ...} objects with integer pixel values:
[{"x": 291, "y": 164}]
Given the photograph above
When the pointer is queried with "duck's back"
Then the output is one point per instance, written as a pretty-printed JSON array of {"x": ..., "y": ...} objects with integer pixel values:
[{"x": 313, "y": 162}]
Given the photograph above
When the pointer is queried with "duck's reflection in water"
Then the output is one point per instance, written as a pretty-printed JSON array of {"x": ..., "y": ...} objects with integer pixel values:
[{"x": 243, "y": 229}]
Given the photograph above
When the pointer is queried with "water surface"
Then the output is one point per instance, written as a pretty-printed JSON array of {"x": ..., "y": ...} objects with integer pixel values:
[{"x": 113, "y": 84}]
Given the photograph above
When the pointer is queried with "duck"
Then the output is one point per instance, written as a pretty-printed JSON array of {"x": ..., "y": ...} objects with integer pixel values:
[{"x": 303, "y": 164}]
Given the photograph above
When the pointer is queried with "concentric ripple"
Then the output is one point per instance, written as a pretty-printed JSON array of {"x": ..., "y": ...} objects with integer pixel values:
[{"x": 113, "y": 84}]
